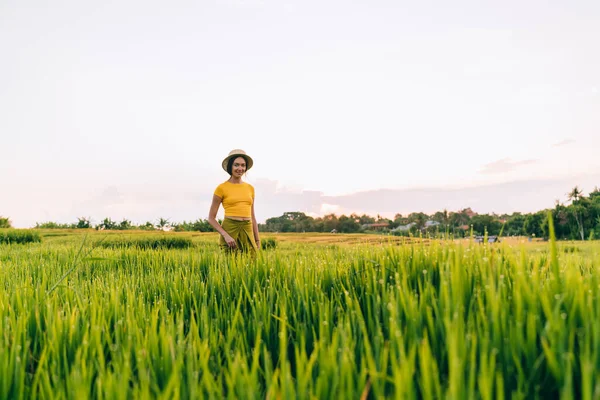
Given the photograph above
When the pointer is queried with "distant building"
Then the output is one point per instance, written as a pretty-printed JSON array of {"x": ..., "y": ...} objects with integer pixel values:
[
  {"x": 403, "y": 228},
  {"x": 379, "y": 225},
  {"x": 491, "y": 239}
]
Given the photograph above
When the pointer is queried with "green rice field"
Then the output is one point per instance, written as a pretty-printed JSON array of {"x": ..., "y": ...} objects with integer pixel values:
[{"x": 117, "y": 316}]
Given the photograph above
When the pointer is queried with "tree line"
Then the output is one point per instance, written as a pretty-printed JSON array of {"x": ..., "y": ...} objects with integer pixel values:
[
  {"x": 577, "y": 220},
  {"x": 200, "y": 225}
]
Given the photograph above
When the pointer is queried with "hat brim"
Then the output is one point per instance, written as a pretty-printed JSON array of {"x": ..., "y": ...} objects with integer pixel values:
[{"x": 249, "y": 161}]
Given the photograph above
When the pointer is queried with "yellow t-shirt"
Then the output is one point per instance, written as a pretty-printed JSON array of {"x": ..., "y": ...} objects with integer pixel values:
[{"x": 237, "y": 198}]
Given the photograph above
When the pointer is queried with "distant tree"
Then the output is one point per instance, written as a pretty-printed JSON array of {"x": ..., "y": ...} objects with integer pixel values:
[
  {"x": 107, "y": 224},
  {"x": 419, "y": 219},
  {"x": 533, "y": 224},
  {"x": 574, "y": 196},
  {"x": 162, "y": 223},
  {"x": 560, "y": 216},
  {"x": 441, "y": 217},
  {"x": 460, "y": 218},
  {"x": 5, "y": 222},
  {"x": 124, "y": 225},
  {"x": 330, "y": 222},
  {"x": 348, "y": 225},
  {"x": 53, "y": 225},
  {"x": 83, "y": 223},
  {"x": 366, "y": 219},
  {"x": 399, "y": 219},
  {"x": 483, "y": 222},
  {"x": 148, "y": 226},
  {"x": 293, "y": 216},
  {"x": 381, "y": 220},
  {"x": 200, "y": 225},
  {"x": 514, "y": 225}
]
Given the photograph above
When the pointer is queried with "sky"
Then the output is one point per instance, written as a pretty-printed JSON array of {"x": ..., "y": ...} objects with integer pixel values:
[{"x": 126, "y": 109}]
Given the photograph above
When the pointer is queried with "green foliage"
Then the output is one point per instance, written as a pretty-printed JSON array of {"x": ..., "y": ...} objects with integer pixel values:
[
  {"x": 163, "y": 223},
  {"x": 442, "y": 320},
  {"x": 107, "y": 224},
  {"x": 149, "y": 242},
  {"x": 19, "y": 236},
  {"x": 268, "y": 243},
  {"x": 148, "y": 226},
  {"x": 571, "y": 221},
  {"x": 533, "y": 224},
  {"x": 53, "y": 225},
  {"x": 515, "y": 225},
  {"x": 200, "y": 225},
  {"x": 290, "y": 222},
  {"x": 5, "y": 222},
  {"x": 483, "y": 222},
  {"x": 570, "y": 249},
  {"x": 83, "y": 223},
  {"x": 124, "y": 225}
]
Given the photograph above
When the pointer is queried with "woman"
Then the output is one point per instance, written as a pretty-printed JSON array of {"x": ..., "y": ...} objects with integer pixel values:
[{"x": 239, "y": 230}]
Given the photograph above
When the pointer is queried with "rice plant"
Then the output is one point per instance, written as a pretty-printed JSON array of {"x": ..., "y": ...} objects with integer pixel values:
[
  {"x": 416, "y": 320},
  {"x": 148, "y": 242},
  {"x": 19, "y": 236}
]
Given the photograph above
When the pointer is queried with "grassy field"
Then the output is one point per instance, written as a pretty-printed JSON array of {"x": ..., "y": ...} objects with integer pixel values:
[{"x": 320, "y": 316}]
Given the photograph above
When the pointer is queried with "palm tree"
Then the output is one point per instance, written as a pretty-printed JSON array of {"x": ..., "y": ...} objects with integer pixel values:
[
  {"x": 574, "y": 195},
  {"x": 162, "y": 223}
]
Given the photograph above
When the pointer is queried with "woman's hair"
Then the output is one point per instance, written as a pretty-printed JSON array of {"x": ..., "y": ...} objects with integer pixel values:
[{"x": 230, "y": 164}]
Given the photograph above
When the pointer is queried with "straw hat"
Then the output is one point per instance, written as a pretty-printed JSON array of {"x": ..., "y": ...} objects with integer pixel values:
[{"x": 237, "y": 153}]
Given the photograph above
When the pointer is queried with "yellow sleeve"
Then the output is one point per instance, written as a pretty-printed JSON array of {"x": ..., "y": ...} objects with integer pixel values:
[
  {"x": 219, "y": 191},
  {"x": 252, "y": 189}
]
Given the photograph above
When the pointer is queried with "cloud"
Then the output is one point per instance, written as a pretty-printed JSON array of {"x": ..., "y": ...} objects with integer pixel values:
[
  {"x": 564, "y": 143},
  {"x": 504, "y": 165}
]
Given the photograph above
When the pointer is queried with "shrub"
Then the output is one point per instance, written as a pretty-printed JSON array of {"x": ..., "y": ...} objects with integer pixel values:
[
  {"x": 148, "y": 226},
  {"x": 5, "y": 222},
  {"x": 17, "y": 236},
  {"x": 571, "y": 249},
  {"x": 53, "y": 225},
  {"x": 149, "y": 242},
  {"x": 83, "y": 223},
  {"x": 268, "y": 243}
]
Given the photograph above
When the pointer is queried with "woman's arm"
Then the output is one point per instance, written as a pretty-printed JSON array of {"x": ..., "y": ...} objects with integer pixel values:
[
  {"x": 255, "y": 227},
  {"x": 212, "y": 220}
]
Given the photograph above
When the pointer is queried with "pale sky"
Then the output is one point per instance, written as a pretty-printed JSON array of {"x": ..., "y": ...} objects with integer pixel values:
[{"x": 126, "y": 109}]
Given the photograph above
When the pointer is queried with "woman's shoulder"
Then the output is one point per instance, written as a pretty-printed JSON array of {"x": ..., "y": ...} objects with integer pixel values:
[{"x": 221, "y": 189}]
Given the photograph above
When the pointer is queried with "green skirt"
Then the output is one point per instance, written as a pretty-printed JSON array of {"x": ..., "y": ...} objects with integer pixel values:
[{"x": 241, "y": 232}]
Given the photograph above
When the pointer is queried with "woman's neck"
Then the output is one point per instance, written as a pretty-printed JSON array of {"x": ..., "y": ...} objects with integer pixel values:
[{"x": 235, "y": 180}]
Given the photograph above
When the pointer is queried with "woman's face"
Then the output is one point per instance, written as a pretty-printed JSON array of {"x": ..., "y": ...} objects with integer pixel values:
[{"x": 238, "y": 168}]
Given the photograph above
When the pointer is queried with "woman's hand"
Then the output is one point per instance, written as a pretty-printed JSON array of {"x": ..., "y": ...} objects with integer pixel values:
[{"x": 230, "y": 241}]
